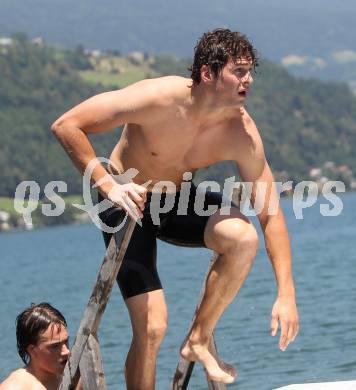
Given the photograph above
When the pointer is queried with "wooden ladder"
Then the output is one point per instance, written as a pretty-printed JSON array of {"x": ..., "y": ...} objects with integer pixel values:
[{"x": 85, "y": 360}]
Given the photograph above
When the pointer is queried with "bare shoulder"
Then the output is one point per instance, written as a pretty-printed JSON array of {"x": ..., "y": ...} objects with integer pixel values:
[
  {"x": 21, "y": 379},
  {"x": 138, "y": 103},
  {"x": 249, "y": 150},
  {"x": 160, "y": 96},
  {"x": 248, "y": 141},
  {"x": 250, "y": 127},
  {"x": 167, "y": 88},
  {"x": 161, "y": 86}
]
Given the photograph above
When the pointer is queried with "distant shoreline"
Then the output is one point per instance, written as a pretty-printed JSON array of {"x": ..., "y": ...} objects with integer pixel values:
[{"x": 72, "y": 216}]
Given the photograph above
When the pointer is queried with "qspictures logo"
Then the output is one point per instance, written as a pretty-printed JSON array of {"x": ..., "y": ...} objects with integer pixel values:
[{"x": 305, "y": 195}]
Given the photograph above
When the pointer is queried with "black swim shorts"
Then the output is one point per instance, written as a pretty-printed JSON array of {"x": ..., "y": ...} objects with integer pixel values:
[{"x": 138, "y": 272}]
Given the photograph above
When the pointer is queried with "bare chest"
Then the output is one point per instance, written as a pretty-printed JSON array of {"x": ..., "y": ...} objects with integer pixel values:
[
  {"x": 186, "y": 147},
  {"x": 168, "y": 149}
]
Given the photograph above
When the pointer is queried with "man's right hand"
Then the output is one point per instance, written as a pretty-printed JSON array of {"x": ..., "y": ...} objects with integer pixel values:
[{"x": 131, "y": 197}]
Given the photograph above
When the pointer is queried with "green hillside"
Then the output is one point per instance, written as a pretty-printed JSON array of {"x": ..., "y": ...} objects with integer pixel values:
[
  {"x": 314, "y": 39},
  {"x": 278, "y": 28},
  {"x": 304, "y": 122},
  {"x": 37, "y": 85}
]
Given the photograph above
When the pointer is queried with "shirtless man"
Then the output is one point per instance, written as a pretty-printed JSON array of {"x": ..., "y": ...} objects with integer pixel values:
[
  {"x": 174, "y": 125},
  {"x": 42, "y": 343}
]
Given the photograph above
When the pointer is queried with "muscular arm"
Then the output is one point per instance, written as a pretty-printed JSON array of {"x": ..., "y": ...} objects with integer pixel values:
[
  {"x": 273, "y": 226},
  {"x": 101, "y": 113},
  {"x": 254, "y": 168}
]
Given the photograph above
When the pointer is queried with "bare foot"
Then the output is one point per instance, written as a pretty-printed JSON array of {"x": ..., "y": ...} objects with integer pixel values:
[
  {"x": 228, "y": 368},
  {"x": 225, "y": 366},
  {"x": 218, "y": 371}
]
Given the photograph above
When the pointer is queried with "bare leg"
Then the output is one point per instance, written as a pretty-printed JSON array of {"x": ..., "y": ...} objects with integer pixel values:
[
  {"x": 148, "y": 313},
  {"x": 236, "y": 240}
]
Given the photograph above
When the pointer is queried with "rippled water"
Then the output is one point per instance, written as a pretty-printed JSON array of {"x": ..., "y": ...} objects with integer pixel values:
[{"x": 60, "y": 264}]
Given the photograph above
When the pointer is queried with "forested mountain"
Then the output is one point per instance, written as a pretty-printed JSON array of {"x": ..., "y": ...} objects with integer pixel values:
[
  {"x": 37, "y": 84},
  {"x": 304, "y": 122},
  {"x": 312, "y": 37},
  {"x": 278, "y": 27}
]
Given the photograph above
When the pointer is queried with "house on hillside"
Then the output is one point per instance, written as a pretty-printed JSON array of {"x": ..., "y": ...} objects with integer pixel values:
[
  {"x": 37, "y": 41},
  {"x": 4, "y": 221},
  {"x": 6, "y": 41}
]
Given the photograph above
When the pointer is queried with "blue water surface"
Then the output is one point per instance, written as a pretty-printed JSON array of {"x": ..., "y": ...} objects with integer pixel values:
[{"x": 60, "y": 264}]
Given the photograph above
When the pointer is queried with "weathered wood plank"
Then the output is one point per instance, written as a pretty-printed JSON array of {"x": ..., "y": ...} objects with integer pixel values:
[
  {"x": 90, "y": 366},
  {"x": 97, "y": 302},
  {"x": 182, "y": 375}
]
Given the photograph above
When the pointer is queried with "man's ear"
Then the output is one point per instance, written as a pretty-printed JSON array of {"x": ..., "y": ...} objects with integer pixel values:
[
  {"x": 30, "y": 349},
  {"x": 206, "y": 75}
]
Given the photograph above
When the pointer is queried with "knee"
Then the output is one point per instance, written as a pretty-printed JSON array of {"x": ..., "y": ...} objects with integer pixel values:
[
  {"x": 155, "y": 332},
  {"x": 237, "y": 237},
  {"x": 151, "y": 335},
  {"x": 249, "y": 239}
]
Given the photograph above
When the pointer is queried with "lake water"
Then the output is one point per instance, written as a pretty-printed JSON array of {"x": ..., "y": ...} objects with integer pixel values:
[{"x": 60, "y": 264}]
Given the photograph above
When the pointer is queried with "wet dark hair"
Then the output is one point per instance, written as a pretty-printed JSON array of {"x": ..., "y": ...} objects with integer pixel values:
[
  {"x": 32, "y": 322},
  {"x": 215, "y": 48}
]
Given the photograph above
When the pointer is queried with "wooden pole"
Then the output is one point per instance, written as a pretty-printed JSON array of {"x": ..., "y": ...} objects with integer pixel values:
[
  {"x": 90, "y": 366},
  {"x": 97, "y": 302}
]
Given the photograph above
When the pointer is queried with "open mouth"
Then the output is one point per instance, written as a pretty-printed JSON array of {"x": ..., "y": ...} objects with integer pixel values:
[{"x": 243, "y": 93}]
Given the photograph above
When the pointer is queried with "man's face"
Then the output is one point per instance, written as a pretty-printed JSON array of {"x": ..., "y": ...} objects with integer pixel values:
[
  {"x": 234, "y": 81},
  {"x": 51, "y": 352}
]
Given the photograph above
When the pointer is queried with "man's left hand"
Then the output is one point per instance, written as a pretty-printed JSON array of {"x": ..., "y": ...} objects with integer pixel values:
[{"x": 285, "y": 312}]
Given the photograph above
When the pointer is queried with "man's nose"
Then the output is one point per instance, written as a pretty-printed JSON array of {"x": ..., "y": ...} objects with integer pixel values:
[
  {"x": 248, "y": 79},
  {"x": 65, "y": 350}
]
